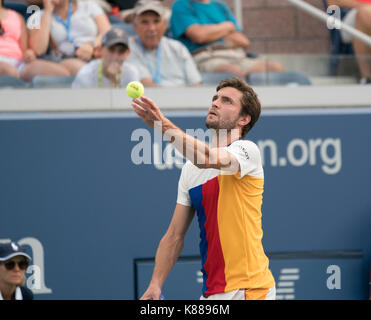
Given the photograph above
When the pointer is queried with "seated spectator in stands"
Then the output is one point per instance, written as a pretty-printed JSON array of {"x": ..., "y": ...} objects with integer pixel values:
[
  {"x": 72, "y": 30},
  {"x": 210, "y": 32},
  {"x": 120, "y": 13},
  {"x": 111, "y": 70},
  {"x": 359, "y": 17},
  {"x": 161, "y": 61},
  {"x": 14, "y": 53}
]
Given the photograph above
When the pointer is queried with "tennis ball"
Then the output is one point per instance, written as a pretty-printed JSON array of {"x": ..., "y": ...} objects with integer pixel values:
[{"x": 134, "y": 89}]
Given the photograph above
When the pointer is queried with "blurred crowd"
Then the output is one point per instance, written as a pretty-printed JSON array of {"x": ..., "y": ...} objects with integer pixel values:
[{"x": 110, "y": 43}]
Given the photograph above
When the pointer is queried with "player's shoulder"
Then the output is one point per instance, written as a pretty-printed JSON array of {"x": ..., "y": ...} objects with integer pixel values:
[
  {"x": 246, "y": 145},
  {"x": 188, "y": 166},
  {"x": 189, "y": 169}
]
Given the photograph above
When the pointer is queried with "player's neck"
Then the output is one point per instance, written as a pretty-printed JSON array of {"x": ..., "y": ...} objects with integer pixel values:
[{"x": 222, "y": 137}]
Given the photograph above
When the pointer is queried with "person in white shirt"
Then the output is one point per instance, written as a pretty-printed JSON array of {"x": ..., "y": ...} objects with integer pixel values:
[
  {"x": 161, "y": 61},
  {"x": 64, "y": 35},
  {"x": 112, "y": 70}
]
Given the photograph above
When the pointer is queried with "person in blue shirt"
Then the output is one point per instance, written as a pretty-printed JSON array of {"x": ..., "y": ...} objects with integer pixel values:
[{"x": 210, "y": 32}]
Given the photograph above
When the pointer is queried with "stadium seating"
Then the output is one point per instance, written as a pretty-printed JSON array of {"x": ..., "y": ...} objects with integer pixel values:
[
  {"x": 213, "y": 78},
  {"x": 12, "y": 82},
  {"x": 278, "y": 79},
  {"x": 52, "y": 81}
]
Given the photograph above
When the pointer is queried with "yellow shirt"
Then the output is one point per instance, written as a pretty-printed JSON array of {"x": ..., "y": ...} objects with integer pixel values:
[{"x": 229, "y": 215}]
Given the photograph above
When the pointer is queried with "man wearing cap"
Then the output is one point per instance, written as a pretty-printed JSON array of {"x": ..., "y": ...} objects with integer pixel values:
[
  {"x": 161, "y": 61},
  {"x": 13, "y": 264},
  {"x": 112, "y": 70}
]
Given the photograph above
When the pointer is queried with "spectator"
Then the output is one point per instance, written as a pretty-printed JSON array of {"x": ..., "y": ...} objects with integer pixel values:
[
  {"x": 121, "y": 13},
  {"x": 359, "y": 17},
  {"x": 73, "y": 29},
  {"x": 111, "y": 70},
  {"x": 210, "y": 32},
  {"x": 13, "y": 264},
  {"x": 13, "y": 43},
  {"x": 161, "y": 61}
]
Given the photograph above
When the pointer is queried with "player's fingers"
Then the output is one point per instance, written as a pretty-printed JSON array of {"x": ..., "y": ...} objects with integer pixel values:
[
  {"x": 139, "y": 110},
  {"x": 136, "y": 103},
  {"x": 148, "y": 102},
  {"x": 140, "y": 103}
]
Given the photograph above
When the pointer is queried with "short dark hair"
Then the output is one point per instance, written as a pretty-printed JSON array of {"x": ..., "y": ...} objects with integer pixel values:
[{"x": 249, "y": 101}]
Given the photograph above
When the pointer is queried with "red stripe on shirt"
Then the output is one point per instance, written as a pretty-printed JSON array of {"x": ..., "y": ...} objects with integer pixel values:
[{"x": 214, "y": 265}]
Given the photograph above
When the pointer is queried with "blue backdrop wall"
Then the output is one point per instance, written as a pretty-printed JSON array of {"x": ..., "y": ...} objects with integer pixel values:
[{"x": 92, "y": 219}]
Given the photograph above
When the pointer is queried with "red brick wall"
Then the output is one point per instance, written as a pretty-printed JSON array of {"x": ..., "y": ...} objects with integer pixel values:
[{"x": 275, "y": 26}]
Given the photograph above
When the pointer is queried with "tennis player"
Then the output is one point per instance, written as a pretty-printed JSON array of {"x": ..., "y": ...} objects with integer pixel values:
[{"x": 223, "y": 182}]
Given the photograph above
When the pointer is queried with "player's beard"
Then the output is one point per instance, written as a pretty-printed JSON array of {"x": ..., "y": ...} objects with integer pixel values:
[{"x": 218, "y": 123}]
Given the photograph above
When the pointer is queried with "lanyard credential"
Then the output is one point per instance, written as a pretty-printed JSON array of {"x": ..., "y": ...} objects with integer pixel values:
[
  {"x": 66, "y": 24},
  {"x": 156, "y": 76}
]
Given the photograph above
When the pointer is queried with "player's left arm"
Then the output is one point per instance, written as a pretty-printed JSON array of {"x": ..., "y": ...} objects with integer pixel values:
[{"x": 198, "y": 152}]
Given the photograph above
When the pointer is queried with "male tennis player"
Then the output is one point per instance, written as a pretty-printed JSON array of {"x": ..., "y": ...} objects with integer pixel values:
[{"x": 223, "y": 182}]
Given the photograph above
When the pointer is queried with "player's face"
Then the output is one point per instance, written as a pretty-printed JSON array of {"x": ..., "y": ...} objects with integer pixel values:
[
  {"x": 14, "y": 276},
  {"x": 225, "y": 109},
  {"x": 150, "y": 28}
]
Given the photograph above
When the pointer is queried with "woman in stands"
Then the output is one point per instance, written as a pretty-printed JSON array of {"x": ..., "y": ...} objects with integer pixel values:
[
  {"x": 69, "y": 32},
  {"x": 13, "y": 43}
]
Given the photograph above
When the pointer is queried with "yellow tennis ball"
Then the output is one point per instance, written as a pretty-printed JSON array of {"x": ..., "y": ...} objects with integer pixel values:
[{"x": 134, "y": 89}]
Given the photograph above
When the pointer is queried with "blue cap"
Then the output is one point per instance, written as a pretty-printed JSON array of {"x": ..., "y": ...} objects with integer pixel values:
[{"x": 10, "y": 250}]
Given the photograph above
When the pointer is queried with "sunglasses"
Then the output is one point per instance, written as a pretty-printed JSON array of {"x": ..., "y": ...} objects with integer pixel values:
[{"x": 10, "y": 265}]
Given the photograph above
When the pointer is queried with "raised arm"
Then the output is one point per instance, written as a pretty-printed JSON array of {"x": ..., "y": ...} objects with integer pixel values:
[
  {"x": 103, "y": 25},
  {"x": 169, "y": 250},
  {"x": 39, "y": 38},
  {"x": 198, "y": 152}
]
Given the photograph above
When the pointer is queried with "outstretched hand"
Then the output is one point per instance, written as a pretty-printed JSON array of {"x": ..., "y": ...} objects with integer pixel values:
[
  {"x": 147, "y": 110},
  {"x": 152, "y": 294}
]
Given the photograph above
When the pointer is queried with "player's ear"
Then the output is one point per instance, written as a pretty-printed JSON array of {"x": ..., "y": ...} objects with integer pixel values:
[{"x": 244, "y": 120}]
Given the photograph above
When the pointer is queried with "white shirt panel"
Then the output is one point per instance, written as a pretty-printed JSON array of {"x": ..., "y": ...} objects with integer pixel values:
[{"x": 248, "y": 156}]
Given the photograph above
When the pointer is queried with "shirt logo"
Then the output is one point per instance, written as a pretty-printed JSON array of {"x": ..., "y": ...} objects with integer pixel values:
[{"x": 245, "y": 152}]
